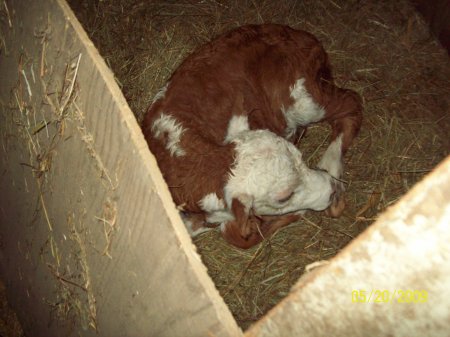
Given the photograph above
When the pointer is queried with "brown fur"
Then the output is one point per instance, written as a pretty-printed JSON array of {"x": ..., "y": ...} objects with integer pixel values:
[
  {"x": 248, "y": 71},
  {"x": 248, "y": 230}
]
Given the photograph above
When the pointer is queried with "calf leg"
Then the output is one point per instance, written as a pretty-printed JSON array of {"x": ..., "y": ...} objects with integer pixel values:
[{"x": 344, "y": 113}]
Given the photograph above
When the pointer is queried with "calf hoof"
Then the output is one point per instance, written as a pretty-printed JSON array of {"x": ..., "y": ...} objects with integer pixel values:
[
  {"x": 337, "y": 201},
  {"x": 336, "y": 208}
]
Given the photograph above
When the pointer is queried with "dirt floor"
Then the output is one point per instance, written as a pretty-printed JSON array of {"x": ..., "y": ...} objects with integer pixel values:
[{"x": 381, "y": 49}]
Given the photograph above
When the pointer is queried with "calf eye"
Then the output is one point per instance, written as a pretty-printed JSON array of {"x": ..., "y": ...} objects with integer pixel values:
[{"x": 286, "y": 198}]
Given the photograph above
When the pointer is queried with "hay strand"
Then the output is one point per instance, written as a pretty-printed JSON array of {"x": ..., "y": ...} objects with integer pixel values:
[{"x": 381, "y": 49}]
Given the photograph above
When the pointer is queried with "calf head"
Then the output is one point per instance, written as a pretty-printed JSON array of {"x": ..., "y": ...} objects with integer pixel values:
[{"x": 270, "y": 177}]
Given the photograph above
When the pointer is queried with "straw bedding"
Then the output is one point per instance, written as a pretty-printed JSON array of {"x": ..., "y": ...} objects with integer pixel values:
[{"x": 381, "y": 49}]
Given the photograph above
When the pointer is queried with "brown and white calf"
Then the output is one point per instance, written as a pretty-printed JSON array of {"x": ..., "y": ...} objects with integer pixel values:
[{"x": 223, "y": 127}]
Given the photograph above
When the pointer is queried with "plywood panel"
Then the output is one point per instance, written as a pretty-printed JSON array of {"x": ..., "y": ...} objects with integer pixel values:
[
  {"x": 90, "y": 239},
  {"x": 393, "y": 280}
]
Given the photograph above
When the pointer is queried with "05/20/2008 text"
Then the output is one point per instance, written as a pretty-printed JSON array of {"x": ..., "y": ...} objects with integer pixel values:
[{"x": 387, "y": 296}]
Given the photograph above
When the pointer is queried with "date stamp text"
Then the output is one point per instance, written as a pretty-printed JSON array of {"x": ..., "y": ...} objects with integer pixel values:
[{"x": 389, "y": 296}]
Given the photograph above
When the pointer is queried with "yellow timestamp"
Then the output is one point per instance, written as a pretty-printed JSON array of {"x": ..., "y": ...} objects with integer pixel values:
[{"x": 387, "y": 296}]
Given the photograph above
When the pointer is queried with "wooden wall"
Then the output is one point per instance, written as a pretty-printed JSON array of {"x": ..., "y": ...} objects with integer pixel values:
[
  {"x": 91, "y": 243},
  {"x": 392, "y": 280}
]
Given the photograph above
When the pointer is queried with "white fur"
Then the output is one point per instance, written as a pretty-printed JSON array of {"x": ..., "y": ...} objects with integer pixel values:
[
  {"x": 211, "y": 202},
  {"x": 236, "y": 125},
  {"x": 304, "y": 111},
  {"x": 220, "y": 217},
  {"x": 215, "y": 207},
  {"x": 161, "y": 93},
  {"x": 315, "y": 190},
  {"x": 188, "y": 224},
  {"x": 166, "y": 124},
  {"x": 331, "y": 160},
  {"x": 266, "y": 166}
]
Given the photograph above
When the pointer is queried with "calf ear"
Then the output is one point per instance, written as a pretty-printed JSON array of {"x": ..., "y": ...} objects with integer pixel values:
[{"x": 242, "y": 232}]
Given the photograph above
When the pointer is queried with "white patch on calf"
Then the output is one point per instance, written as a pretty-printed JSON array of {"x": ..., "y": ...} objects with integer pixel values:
[
  {"x": 219, "y": 217},
  {"x": 215, "y": 208},
  {"x": 266, "y": 166},
  {"x": 236, "y": 125},
  {"x": 211, "y": 202},
  {"x": 161, "y": 93},
  {"x": 315, "y": 190},
  {"x": 304, "y": 111},
  {"x": 189, "y": 226},
  {"x": 166, "y": 124},
  {"x": 331, "y": 160}
]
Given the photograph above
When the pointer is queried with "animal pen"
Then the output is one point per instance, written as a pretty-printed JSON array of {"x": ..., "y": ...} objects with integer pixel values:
[{"x": 91, "y": 242}]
